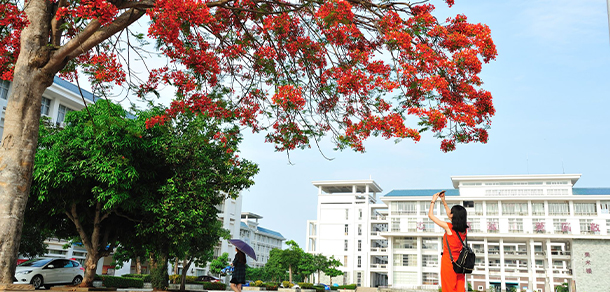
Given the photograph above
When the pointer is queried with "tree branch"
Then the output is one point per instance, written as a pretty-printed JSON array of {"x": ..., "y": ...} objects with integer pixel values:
[{"x": 56, "y": 23}]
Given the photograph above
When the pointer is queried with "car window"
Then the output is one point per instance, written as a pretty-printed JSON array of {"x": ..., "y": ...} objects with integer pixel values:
[
  {"x": 59, "y": 263},
  {"x": 35, "y": 263},
  {"x": 69, "y": 264},
  {"x": 75, "y": 264}
]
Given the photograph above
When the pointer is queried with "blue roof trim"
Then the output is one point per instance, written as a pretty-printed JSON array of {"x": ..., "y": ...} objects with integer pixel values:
[
  {"x": 421, "y": 193},
  {"x": 244, "y": 224},
  {"x": 270, "y": 232},
  {"x": 591, "y": 191},
  {"x": 73, "y": 88}
]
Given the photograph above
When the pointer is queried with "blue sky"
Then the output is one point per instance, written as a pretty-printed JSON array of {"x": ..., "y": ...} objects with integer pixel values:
[{"x": 550, "y": 85}]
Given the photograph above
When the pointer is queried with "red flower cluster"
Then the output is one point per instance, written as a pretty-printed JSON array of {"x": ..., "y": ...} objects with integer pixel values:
[{"x": 298, "y": 69}]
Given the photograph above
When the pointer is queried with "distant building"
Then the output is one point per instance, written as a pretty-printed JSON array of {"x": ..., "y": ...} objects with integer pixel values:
[
  {"x": 261, "y": 239},
  {"x": 530, "y": 232},
  {"x": 59, "y": 99}
]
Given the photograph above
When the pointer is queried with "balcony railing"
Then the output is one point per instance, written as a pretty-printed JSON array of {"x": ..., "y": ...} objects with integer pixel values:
[
  {"x": 379, "y": 249},
  {"x": 379, "y": 266},
  {"x": 378, "y": 217}
]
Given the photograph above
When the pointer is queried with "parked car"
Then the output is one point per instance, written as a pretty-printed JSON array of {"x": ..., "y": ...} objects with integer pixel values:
[
  {"x": 326, "y": 287},
  {"x": 208, "y": 279},
  {"x": 46, "y": 272}
]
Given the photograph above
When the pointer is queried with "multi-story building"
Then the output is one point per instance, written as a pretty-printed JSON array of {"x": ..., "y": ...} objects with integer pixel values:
[
  {"x": 530, "y": 232},
  {"x": 57, "y": 100},
  {"x": 261, "y": 239}
]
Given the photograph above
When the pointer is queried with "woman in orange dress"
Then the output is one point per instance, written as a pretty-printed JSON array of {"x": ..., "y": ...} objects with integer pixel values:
[{"x": 450, "y": 281}]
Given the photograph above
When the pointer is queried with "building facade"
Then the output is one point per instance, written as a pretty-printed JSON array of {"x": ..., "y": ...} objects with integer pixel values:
[
  {"x": 59, "y": 99},
  {"x": 261, "y": 239},
  {"x": 530, "y": 232}
]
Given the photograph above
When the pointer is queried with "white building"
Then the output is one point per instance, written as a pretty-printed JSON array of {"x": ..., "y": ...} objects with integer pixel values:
[
  {"x": 261, "y": 239},
  {"x": 530, "y": 232},
  {"x": 57, "y": 100}
]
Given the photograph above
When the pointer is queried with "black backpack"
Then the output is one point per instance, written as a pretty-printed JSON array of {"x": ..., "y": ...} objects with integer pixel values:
[{"x": 465, "y": 262}]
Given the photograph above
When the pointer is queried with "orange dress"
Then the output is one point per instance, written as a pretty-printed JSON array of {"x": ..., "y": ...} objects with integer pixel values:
[{"x": 450, "y": 281}]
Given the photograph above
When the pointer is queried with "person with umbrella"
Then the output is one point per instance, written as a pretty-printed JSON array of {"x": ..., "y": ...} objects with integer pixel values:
[{"x": 239, "y": 263}]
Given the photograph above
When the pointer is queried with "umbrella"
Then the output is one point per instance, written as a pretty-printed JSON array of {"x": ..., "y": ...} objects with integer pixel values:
[{"x": 246, "y": 248}]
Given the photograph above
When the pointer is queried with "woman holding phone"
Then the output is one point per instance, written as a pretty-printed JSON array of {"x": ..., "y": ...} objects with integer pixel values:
[{"x": 450, "y": 280}]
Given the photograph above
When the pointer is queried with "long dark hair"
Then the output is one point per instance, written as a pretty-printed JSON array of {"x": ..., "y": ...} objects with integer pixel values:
[
  {"x": 459, "y": 219},
  {"x": 240, "y": 256}
]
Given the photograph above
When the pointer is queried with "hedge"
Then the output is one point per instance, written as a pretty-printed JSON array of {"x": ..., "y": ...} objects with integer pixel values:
[
  {"x": 319, "y": 288},
  {"x": 349, "y": 287},
  {"x": 271, "y": 286},
  {"x": 144, "y": 277},
  {"x": 120, "y": 282},
  {"x": 305, "y": 285},
  {"x": 175, "y": 279}
]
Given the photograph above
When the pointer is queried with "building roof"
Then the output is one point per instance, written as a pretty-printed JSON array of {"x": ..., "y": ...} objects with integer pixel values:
[
  {"x": 346, "y": 186},
  {"x": 263, "y": 230},
  {"x": 250, "y": 215},
  {"x": 270, "y": 232},
  {"x": 591, "y": 191},
  {"x": 519, "y": 177},
  {"x": 421, "y": 193},
  {"x": 73, "y": 88}
]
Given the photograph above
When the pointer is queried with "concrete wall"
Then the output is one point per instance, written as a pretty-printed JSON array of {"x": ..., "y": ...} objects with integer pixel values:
[{"x": 591, "y": 264}]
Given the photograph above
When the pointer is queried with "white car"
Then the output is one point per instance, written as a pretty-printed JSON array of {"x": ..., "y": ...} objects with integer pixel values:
[{"x": 48, "y": 272}]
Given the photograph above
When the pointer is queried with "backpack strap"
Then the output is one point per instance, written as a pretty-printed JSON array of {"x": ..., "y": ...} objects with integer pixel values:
[
  {"x": 449, "y": 248},
  {"x": 466, "y": 238}
]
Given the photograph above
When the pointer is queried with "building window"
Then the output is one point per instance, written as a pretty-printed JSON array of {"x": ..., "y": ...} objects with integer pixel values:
[
  {"x": 515, "y": 225},
  {"x": 62, "y": 112},
  {"x": 360, "y": 214},
  {"x": 359, "y": 277},
  {"x": 430, "y": 261},
  {"x": 4, "y": 85},
  {"x": 346, "y": 214},
  {"x": 45, "y": 106},
  {"x": 359, "y": 245},
  {"x": 478, "y": 209},
  {"x": 359, "y": 229},
  {"x": 428, "y": 225},
  {"x": 559, "y": 209},
  {"x": 492, "y": 208},
  {"x": 405, "y": 260},
  {"x": 359, "y": 261},
  {"x": 538, "y": 225},
  {"x": 399, "y": 208},
  {"x": 345, "y": 261},
  {"x": 585, "y": 225},
  {"x": 430, "y": 278},
  {"x": 395, "y": 224},
  {"x": 493, "y": 225},
  {"x": 475, "y": 225},
  {"x": 561, "y": 226},
  {"x": 468, "y": 204},
  {"x": 514, "y": 208},
  {"x": 346, "y": 229},
  {"x": 424, "y": 207},
  {"x": 429, "y": 243},
  {"x": 405, "y": 242},
  {"x": 345, "y": 245},
  {"x": 604, "y": 207},
  {"x": 538, "y": 209},
  {"x": 585, "y": 209}
]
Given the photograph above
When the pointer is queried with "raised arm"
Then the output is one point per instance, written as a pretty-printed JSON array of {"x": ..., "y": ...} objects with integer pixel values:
[
  {"x": 447, "y": 210},
  {"x": 438, "y": 222}
]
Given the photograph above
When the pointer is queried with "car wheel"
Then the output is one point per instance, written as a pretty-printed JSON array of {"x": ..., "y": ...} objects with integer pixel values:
[
  {"x": 77, "y": 280},
  {"x": 37, "y": 281}
]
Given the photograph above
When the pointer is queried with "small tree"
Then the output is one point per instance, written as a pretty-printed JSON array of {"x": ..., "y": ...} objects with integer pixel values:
[
  {"x": 331, "y": 268},
  {"x": 219, "y": 263},
  {"x": 319, "y": 263}
]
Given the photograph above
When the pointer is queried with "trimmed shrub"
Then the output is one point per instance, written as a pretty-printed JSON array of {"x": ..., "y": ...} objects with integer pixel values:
[
  {"x": 213, "y": 286},
  {"x": 271, "y": 286},
  {"x": 287, "y": 284},
  {"x": 175, "y": 279},
  {"x": 306, "y": 285},
  {"x": 348, "y": 287},
  {"x": 258, "y": 283},
  {"x": 121, "y": 282},
  {"x": 144, "y": 277},
  {"x": 319, "y": 288}
]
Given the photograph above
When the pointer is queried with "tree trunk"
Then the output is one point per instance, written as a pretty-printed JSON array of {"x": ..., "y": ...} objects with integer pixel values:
[
  {"x": 319, "y": 279},
  {"x": 186, "y": 264},
  {"x": 159, "y": 272},
  {"x": 138, "y": 266},
  {"x": 20, "y": 137},
  {"x": 290, "y": 273},
  {"x": 175, "y": 267},
  {"x": 90, "y": 268}
]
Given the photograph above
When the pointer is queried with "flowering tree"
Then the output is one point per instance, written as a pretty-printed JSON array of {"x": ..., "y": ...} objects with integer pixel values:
[{"x": 296, "y": 70}]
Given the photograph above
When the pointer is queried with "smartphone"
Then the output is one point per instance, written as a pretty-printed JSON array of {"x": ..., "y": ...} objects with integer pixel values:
[{"x": 441, "y": 194}]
